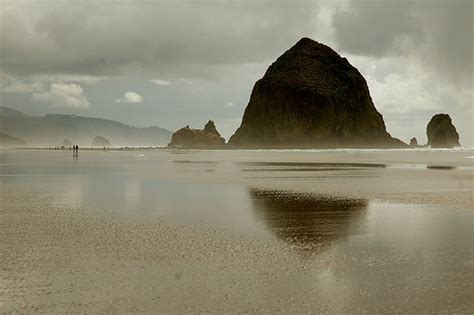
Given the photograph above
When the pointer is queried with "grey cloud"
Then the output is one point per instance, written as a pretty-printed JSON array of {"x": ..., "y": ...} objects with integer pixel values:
[
  {"x": 172, "y": 38},
  {"x": 449, "y": 48},
  {"x": 377, "y": 28},
  {"x": 436, "y": 34}
]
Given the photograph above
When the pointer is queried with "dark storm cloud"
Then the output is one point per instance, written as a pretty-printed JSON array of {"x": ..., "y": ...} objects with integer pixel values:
[
  {"x": 437, "y": 34},
  {"x": 122, "y": 37}
]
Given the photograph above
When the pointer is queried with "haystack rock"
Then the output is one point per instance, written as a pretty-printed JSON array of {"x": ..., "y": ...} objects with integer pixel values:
[
  {"x": 100, "y": 142},
  {"x": 311, "y": 97},
  {"x": 207, "y": 138},
  {"x": 441, "y": 132}
]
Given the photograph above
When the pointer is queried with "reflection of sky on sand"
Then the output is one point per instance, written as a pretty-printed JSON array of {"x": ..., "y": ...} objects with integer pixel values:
[
  {"x": 356, "y": 251},
  {"x": 206, "y": 204},
  {"x": 132, "y": 193},
  {"x": 405, "y": 255},
  {"x": 369, "y": 253},
  {"x": 197, "y": 188},
  {"x": 71, "y": 192}
]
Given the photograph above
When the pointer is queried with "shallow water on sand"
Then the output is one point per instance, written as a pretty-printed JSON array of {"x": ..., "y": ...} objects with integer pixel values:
[{"x": 394, "y": 227}]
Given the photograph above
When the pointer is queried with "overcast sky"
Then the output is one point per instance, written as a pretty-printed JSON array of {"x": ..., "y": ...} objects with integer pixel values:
[{"x": 173, "y": 63}]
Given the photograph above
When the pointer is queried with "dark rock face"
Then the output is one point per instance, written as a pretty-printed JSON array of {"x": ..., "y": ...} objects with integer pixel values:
[
  {"x": 312, "y": 97},
  {"x": 207, "y": 138},
  {"x": 100, "y": 142},
  {"x": 413, "y": 143},
  {"x": 441, "y": 132}
]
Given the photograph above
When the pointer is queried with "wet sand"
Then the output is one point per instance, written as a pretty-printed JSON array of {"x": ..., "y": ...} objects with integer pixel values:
[{"x": 187, "y": 232}]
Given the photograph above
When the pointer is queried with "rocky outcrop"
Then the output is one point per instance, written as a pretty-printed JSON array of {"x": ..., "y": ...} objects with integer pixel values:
[
  {"x": 10, "y": 141},
  {"x": 207, "y": 138},
  {"x": 100, "y": 142},
  {"x": 441, "y": 132},
  {"x": 67, "y": 143},
  {"x": 413, "y": 143},
  {"x": 311, "y": 97}
]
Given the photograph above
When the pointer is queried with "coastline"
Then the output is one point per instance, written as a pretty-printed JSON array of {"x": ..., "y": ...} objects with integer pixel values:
[{"x": 164, "y": 148}]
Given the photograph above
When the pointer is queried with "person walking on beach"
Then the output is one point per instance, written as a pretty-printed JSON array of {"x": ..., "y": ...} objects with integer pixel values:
[{"x": 75, "y": 151}]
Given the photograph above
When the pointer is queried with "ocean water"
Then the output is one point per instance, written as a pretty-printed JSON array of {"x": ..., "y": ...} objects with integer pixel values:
[{"x": 395, "y": 224}]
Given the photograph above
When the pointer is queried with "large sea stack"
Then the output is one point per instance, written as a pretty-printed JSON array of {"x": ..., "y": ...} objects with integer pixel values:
[
  {"x": 441, "y": 132},
  {"x": 311, "y": 97},
  {"x": 207, "y": 138}
]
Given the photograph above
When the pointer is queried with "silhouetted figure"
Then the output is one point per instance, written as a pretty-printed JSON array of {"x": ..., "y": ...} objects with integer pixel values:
[{"x": 75, "y": 151}]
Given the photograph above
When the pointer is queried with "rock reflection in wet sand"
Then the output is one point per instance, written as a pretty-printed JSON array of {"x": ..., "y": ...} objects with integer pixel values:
[{"x": 307, "y": 221}]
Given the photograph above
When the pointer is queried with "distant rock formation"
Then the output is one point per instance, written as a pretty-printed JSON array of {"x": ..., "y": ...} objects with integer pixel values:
[
  {"x": 100, "y": 142},
  {"x": 441, "y": 132},
  {"x": 67, "y": 143},
  {"x": 10, "y": 141},
  {"x": 311, "y": 97},
  {"x": 413, "y": 143},
  {"x": 51, "y": 129},
  {"x": 207, "y": 138}
]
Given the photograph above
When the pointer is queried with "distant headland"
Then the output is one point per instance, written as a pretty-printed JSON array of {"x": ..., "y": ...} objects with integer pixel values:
[{"x": 54, "y": 129}]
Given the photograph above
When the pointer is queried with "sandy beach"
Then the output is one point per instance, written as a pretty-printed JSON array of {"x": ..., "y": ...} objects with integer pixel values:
[{"x": 236, "y": 232}]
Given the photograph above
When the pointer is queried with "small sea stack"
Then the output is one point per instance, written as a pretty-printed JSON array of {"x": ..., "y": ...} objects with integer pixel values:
[
  {"x": 207, "y": 138},
  {"x": 100, "y": 142},
  {"x": 413, "y": 143},
  {"x": 441, "y": 132},
  {"x": 67, "y": 143}
]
